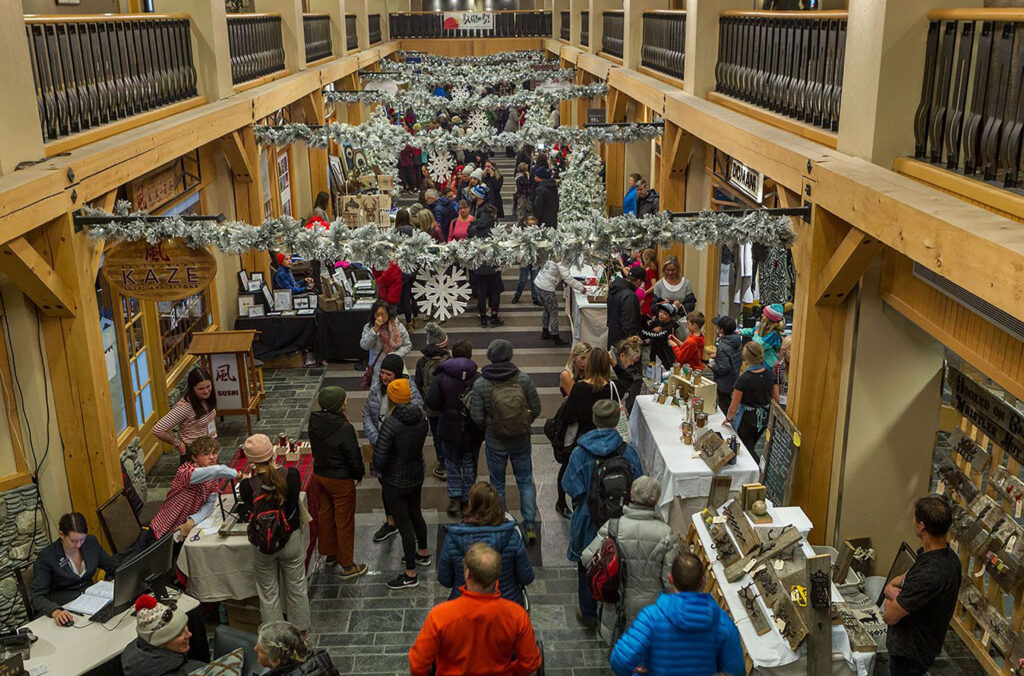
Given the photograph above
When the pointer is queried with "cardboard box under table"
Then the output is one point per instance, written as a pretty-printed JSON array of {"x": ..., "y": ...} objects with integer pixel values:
[{"x": 685, "y": 479}]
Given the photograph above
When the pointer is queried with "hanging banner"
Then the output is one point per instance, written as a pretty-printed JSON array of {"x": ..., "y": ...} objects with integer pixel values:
[
  {"x": 468, "y": 21},
  {"x": 163, "y": 272}
]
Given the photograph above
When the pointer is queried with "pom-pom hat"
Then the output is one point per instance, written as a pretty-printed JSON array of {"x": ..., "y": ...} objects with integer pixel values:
[{"x": 156, "y": 623}]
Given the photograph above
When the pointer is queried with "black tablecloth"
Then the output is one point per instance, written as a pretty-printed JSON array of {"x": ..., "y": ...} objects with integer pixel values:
[
  {"x": 279, "y": 335},
  {"x": 338, "y": 333}
]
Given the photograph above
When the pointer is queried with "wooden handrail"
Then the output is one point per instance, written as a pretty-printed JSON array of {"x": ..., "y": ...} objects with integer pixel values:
[
  {"x": 664, "y": 11},
  {"x": 315, "y": 14},
  {"x": 612, "y": 11},
  {"x": 86, "y": 18},
  {"x": 254, "y": 15},
  {"x": 988, "y": 14},
  {"x": 490, "y": 11},
  {"x": 810, "y": 14}
]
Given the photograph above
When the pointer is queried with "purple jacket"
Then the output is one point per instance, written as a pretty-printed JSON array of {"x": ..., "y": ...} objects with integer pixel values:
[{"x": 451, "y": 380}]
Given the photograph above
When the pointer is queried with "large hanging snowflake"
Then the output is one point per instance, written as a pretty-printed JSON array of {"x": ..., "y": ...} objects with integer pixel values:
[
  {"x": 444, "y": 294},
  {"x": 441, "y": 166},
  {"x": 460, "y": 98},
  {"x": 478, "y": 122}
]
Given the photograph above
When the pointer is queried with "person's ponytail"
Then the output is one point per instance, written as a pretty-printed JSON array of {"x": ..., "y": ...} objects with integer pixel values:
[{"x": 272, "y": 478}]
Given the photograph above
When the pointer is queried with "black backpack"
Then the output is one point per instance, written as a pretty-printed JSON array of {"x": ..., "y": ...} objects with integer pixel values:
[
  {"x": 465, "y": 402},
  {"x": 268, "y": 524},
  {"x": 610, "y": 483}
]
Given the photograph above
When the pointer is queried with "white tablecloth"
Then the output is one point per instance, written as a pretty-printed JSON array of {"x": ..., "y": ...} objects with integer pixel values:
[
  {"x": 589, "y": 319},
  {"x": 220, "y": 568},
  {"x": 770, "y": 652},
  {"x": 656, "y": 437}
]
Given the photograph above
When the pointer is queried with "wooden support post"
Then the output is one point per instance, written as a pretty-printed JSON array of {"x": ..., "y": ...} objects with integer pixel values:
[
  {"x": 355, "y": 110},
  {"x": 819, "y": 343},
  {"x": 677, "y": 144},
  {"x": 81, "y": 393},
  {"x": 846, "y": 267},
  {"x": 615, "y": 153},
  {"x": 33, "y": 275},
  {"x": 313, "y": 109},
  {"x": 580, "y": 106},
  {"x": 243, "y": 155},
  {"x": 819, "y": 617}
]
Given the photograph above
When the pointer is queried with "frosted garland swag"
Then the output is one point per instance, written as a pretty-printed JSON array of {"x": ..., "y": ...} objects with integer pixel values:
[
  {"x": 426, "y": 102},
  {"x": 582, "y": 191},
  {"x": 594, "y": 237}
]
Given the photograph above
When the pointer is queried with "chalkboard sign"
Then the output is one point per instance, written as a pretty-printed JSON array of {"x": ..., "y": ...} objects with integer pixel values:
[
  {"x": 596, "y": 115},
  {"x": 782, "y": 439}
]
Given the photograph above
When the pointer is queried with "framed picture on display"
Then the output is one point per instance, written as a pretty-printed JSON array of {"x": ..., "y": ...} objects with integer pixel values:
[
  {"x": 243, "y": 279},
  {"x": 257, "y": 276},
  {"x": 268, "y": 296},
  {"x": 282, "y": 299},
  {"x": 257, "y": 311},
  {"x": 245, "y": 301},
  {"x": 300, "y": 302},
  {"x": 255, "y": 286},
  {"x": 313, "y": 300}
]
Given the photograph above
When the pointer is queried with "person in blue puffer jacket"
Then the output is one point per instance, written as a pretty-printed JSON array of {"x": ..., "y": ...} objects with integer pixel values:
[
  {"x": 485, "y": 522},
  {"x": 682, "y": 633}
]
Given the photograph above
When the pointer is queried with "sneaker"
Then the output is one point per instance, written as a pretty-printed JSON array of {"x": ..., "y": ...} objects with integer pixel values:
[
  {"x": 440, "y": 473},
  {"x": 483, "y": 322},
  {"x": 423, "y": 560},
  {"x": 531, "y": 535},
  {"x": 557, "y": 340},
  {"x": 563, "y": 510},
  {"x": 403, "y": 581},
  {"x": 544, "y": 335},
  {"x": 330, "y": 562},
  {"x": 515, "y": 300},
  {"x": 497, "y": 321},
  {"x": 384, "y": 532},
  {"x": 455, "y": 508},
  {"x": 354, "y": 571}
]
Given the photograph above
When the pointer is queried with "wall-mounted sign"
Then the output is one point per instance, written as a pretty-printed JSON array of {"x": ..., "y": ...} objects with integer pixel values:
[
  {"x": 468, "y": 21},
  {"x": 746, "y": 180},
  {"x": 595, "y": 115},
  {"x": 165, "y": 271},
  {"x": 999, "y": 421}
]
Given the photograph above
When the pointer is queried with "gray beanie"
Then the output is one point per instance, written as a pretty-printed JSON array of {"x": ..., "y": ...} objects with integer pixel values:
[
  {"x": 499, "y": 350},
  {"x": 156, "y": 623},
  {"x": 606, "y": 413},
  {"x": 436, "y": 335},
  {"x": 645, "y": 492}
]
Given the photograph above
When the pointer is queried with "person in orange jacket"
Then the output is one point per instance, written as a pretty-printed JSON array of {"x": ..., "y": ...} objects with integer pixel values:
[
  {"x": 479, "y": 633},
  {"x": 691, "y": 350}
]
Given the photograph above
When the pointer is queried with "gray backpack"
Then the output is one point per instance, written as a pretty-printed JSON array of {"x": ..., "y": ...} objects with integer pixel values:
[{"x": 510, "y": 413}]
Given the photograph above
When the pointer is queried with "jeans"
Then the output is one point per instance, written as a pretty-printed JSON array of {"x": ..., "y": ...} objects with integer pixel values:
[
  {"x": 460, "y": 461},
  {"x": 526, "y": 272},
  {"x": 904, "y": 666},
  {"x": 405, "y": 507},
  {"x": 336, "y": 519},
  {"x": 522, "y": 469},
  {"x": 549, "y": 318},
  {"x": 283, "y": 573},
  {"x": 588, "y": 606}
]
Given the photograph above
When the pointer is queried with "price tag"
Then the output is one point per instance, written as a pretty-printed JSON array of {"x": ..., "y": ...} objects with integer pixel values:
[
  {"x": 985, "y": 638},
  {"x": 941, "y": 488},
  {"x": 1018, "y": 508},
  {"x": 780, "y": 624},
  {"x": 750, "y": 564},
  {"x": 719, "y": 519},
  {"x": 779, "y": 565}
]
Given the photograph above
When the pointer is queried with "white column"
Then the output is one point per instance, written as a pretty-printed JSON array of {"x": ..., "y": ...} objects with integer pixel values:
[
  {"x": 18, "y": 108},
  {"x": 702, "y": 42},
  {"x": 633, "y": 28},
  {"x": 211, "y": 52}
]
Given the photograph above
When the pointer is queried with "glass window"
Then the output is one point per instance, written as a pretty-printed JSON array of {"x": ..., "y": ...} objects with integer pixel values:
[
  {"x": 111, "y": 355},
  {"x": 178, "y": 321},
  {"x": 138, "y": 360}
]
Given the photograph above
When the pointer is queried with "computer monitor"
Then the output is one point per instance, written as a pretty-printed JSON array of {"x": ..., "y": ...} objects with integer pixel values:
[{"x": 146, "y": 570}]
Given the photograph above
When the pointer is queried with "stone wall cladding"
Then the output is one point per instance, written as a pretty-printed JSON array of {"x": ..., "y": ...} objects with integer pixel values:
[{"x": 22, "y": 535}]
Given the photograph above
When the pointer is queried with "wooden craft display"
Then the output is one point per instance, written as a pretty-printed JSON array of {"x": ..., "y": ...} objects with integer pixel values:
[
  {"x": 852, "y": 549},
  {"x": 860, "y": 640},
  {"x": 776, "y": 595},
  {"x": 721, "y": 486},
  {"x": 712, "y": 449},
  {"x": 749, "y": 596},
  {"x": 740, "y": 528},
  {"x": 782, "y": 440},
  {"x": 988, "y": 450},
  {"x": 768, "y": 549},
  {"x": 684, "y": 388}
]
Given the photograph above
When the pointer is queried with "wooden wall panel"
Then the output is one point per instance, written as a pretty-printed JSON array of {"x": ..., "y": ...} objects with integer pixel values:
[{"x": 470, "y": 46}]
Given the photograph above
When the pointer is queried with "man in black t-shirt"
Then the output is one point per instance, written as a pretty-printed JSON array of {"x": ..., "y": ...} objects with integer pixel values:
[{"x": 919, "y": 604}]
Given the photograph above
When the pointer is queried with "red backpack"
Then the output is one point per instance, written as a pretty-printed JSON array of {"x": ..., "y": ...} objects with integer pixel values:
[{"x": 606, "y": 573}]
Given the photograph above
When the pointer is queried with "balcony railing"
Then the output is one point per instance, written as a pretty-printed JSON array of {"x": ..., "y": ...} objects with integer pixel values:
[
  {"x": 611, "y": 33},
  {"x": 564, "y": 31},
  {"x": 585, "y": 29},
  {"x": 515, "y": 24},
  {"x": 786, "y": 62},
  {"x": 93, "y": 70},
  {"x": 256, "y": 47},
  {"x": 373, "y": 21},
  {"x": 351, "y": 33},
  {"x": 969, "y": 119},
  {"x": 664, "y": 45},
  {"x": 317, "y": 29}
]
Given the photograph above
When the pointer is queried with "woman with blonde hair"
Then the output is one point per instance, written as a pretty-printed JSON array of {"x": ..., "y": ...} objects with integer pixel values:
[
  {"x": 486, "y": 522},
  {"x": 625, "y": 355},
  {"x": 752, "y": 397},
  {"x": 424, "y": 220},
  {"x": 575, "y": 369},
  {"x": 278, "y": 553}
]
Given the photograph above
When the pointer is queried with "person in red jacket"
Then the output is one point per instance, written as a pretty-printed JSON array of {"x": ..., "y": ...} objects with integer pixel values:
[
  {"x": 478, "y": 633},
  {"x": 691, "y": 350},
  {"x": 389, "y": 283}
]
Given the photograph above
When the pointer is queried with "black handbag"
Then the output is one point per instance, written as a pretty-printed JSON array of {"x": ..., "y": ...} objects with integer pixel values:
[{"x": 561, "y": 433}]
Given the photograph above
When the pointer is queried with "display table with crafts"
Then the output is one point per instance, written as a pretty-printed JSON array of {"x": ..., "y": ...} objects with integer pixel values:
[
  {"x": 685, "y": 479},
  {"x": 67, "y": 651},
  {"x": 338, "y": 332},
  {"x": 280, "y": 335},
  {"x": 770, "y": 652}
]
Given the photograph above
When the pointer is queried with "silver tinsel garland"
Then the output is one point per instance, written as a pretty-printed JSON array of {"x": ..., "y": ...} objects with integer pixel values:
[
  {"x": 532, "y": 55},
  {"x": 424, "y": 102},
  {"x": 594, "y": 237},
  {"x": 457, "y": 74},
  {"x": 582, "y": 190}
]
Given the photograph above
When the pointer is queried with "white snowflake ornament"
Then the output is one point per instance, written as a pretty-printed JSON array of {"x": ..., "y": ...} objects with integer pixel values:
[
  {"x": 444, "y": 294},
  {"x": 460, "y": 98},
  {"x": 441, "y": 166},
  {"x": 478, "y": 122}
]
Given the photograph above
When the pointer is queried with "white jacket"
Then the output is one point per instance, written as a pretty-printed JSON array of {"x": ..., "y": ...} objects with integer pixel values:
[{"x": 552, "y": 273}]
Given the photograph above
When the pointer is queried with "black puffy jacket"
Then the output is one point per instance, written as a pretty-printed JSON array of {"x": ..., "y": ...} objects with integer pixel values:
[
  {"x": 545, "y": 203},
  {"x": 623, "y": 311},
  {"x": 398, "y": 453},
  {"x": 481, "y": 228},
  {"x": 317, "y": 664},
  {"x": 332, "y": 439}
]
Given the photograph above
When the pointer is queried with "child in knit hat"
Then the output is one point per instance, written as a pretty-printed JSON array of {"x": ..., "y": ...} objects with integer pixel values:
[
  {"x": 435, "y": 352},
  {"x": 769, "y": 332}
]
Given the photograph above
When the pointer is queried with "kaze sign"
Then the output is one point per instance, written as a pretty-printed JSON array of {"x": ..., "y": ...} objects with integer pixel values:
[{"x": 165, "y": 271}]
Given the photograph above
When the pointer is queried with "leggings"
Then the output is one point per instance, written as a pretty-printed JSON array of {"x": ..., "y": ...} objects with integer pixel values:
[
  {"x": 561, "y": 473},
  {"x": 488, "y": 292},
  {"x": 405, "y": 507}
]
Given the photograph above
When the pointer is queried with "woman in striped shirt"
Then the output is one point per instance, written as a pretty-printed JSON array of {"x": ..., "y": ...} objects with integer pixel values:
[{"x": 194, "y": 415}]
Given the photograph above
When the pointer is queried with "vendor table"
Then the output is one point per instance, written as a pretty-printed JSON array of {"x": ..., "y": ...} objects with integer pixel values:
[
  {"x": 68, "y": 651},
  {"x": 685, "y": 480},
  {"x": 279, "y": 335},
  {"x": 589, "y": 319},
  {"x": 338, "y": 333},
  {"x": 771, "y": 653},
  {"x": 220, "y": 568}
]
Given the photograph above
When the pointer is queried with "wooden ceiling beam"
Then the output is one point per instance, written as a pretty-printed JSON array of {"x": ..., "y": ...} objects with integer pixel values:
[
  {"x": 846, "y": 266},
  {"x": 237, "y": 156},
  {"x": 30, "y": 272}
]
